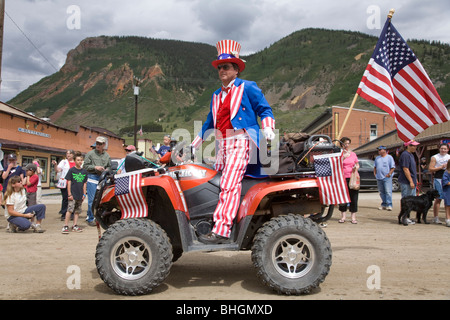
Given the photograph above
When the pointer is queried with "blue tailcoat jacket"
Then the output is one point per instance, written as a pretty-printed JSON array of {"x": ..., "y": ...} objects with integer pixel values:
[{"x": 247, "y": 104}]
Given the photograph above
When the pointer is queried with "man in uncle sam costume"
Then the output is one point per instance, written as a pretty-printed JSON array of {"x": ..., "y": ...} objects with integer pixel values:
[{"x": 233, "y": 118}]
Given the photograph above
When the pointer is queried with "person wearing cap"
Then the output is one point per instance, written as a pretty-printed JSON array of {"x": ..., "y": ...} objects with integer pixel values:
[
  {"x": 129, "y": 150},
  {"x": 233, "y": 117},
  {"x": 12, "y": 169},
  {"x": 31, "y": 183},
  {"x": 438, "y": 165},
  {"x": 95, "y": 162},
  {"x": 407, "y": 177},
  {"x": 383, "y": 170}
]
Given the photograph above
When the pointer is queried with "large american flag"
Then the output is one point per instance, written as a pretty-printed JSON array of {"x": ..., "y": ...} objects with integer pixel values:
[
  {"x": 396, "y": 82},
  {"x": 130, "y": 196},
  {"x": 330, "y": 176}
]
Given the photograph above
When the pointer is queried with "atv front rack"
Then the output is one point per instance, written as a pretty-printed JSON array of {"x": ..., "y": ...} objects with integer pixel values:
[{"x": 295, "y": 175}]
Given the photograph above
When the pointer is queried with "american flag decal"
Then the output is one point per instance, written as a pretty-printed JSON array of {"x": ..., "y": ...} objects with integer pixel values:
[
  {"x": 330, "y": 176},
  {"x": 131, "y": 199}
]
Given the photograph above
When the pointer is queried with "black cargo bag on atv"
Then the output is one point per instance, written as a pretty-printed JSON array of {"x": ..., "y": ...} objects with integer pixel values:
[
  {"x": 291, "y": 146},
  {"x": 296, "y": 151}
]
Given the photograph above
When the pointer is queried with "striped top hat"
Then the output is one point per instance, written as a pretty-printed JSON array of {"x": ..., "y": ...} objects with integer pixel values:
[{"x": 228, "y": 52}]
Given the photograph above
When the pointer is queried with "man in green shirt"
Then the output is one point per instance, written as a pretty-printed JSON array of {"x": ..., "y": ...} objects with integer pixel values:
[{"x": 95, "y": 162}]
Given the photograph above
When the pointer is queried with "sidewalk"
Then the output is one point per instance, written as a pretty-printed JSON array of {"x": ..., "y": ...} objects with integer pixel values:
[
  {"x": 372, "y": 194},
  {"x": 50, "y": 192},
  {"x": 51, "y": 196}
]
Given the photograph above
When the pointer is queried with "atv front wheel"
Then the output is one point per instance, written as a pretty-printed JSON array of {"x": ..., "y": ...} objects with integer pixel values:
[
  {"x": 292, "y": 254},
  {"x": 134, "y": 256}
]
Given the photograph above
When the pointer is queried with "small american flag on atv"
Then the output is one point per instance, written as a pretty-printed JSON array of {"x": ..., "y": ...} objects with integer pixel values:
[
  {"x": 330, "y": 176},
  {"x": 130, "y": 196}
]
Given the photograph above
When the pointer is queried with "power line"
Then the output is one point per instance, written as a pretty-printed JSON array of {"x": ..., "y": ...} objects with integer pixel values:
[{"x": 29, "y": 40}]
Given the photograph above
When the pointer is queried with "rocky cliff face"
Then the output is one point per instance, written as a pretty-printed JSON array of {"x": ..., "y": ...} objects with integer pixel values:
[
  {"x": 95, "y": 85},
  {"x": 85, "y": 45}
]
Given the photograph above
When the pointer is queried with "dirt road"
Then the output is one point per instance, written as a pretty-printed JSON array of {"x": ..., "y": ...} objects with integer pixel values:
[{"x": 375, "y": 259}]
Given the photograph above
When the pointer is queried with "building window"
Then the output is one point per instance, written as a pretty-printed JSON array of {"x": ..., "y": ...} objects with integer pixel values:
[{"x": 373, "y": 132}]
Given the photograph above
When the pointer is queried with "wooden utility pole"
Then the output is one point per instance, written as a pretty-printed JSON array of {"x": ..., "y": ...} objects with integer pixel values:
[{"x": 2, "y": 21}]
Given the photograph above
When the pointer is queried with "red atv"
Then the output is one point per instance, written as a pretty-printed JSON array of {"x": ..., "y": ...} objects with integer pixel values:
[{"x": 171, "y": 207}]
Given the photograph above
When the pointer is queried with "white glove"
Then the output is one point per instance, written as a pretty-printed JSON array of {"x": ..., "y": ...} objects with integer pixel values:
[{"x": 268, "y": 133}]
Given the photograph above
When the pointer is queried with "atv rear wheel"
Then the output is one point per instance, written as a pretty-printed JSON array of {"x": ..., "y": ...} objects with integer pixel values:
[
  {"x": 292, "y": 254},
  {"x": 134, "y": 256}
]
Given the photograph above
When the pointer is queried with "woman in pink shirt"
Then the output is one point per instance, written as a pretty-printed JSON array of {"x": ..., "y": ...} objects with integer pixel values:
[{"x": 350, "y": 164}]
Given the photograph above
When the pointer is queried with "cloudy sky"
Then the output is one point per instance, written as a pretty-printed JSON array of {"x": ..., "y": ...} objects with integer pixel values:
[{"x": 39, "y": 33}]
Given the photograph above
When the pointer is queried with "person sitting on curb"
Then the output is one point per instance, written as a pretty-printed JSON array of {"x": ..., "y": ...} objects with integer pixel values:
[{"x": 17, "y": 213}]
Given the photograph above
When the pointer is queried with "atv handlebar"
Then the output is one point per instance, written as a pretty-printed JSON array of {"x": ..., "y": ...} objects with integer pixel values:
[
  {"x": 104, "y": 173},
  {"x": 192, "y": 150}
]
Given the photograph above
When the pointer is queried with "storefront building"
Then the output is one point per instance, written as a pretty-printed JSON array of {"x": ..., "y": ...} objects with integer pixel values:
[
  {"x": 31, "y": 138},
  {"x": 362, "y": 126}
]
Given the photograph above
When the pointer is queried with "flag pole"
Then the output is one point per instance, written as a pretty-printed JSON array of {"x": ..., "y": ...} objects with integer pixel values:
[
  {"x": 390, "y": 14},
  {"x": 347, "y": 116}
]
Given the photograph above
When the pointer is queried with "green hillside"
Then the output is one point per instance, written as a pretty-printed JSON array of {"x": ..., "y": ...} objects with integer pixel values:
[{"x": 300, "y": 75}]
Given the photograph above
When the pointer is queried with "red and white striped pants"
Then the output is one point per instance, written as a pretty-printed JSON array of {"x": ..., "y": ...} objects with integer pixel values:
[{"x": 232, "y": 159}]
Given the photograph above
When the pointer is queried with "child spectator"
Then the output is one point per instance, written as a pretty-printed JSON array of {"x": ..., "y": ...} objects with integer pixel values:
[
  {"x": 76, "y": 189},
  {"x": 31, "y": 182},
  {"x": 165, "y": 148},
  {"x": 17, "y": 213},
  {"x": 39, "y": 173}
]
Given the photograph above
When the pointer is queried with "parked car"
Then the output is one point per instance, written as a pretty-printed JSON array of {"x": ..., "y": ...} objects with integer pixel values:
[
  {"x": 368, "y": 179},
  {"x": 366, "y": 173}
]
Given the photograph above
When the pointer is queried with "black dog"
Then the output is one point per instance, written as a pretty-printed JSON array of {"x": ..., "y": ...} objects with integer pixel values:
[{"x": 420, "y": 204}]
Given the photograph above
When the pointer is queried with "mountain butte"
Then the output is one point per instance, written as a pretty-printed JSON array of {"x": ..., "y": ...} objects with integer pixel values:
[{"x": 300, "y": 75}]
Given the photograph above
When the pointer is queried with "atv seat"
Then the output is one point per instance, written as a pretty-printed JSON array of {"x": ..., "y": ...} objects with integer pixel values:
[{"x": 247, "y": 182}]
